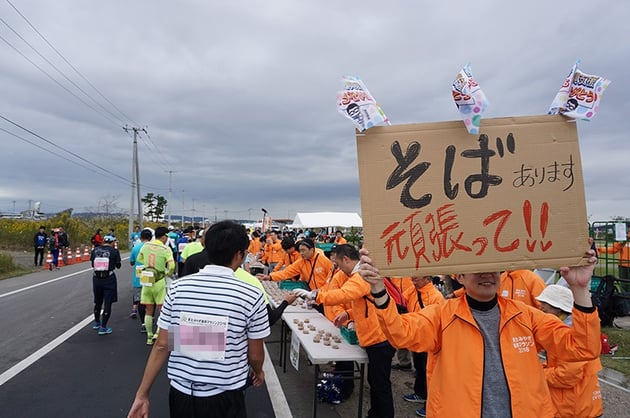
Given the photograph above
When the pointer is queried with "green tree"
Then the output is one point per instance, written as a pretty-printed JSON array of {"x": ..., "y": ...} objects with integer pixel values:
[{"x": 154, "y": 206}]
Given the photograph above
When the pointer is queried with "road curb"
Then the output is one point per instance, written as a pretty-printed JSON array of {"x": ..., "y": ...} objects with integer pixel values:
[{"x": 616, "y": 378}]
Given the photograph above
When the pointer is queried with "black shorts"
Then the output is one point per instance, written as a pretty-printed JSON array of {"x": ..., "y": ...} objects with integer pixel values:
[{"x": 105, "y": 290}]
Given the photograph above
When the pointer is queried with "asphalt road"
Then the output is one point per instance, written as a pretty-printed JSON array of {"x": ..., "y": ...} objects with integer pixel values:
[
  {"x": 87, "y": 375},
  {"x": 53, "y": 364}
]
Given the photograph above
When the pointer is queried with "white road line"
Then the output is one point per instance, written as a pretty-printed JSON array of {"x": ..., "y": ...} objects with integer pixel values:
[
  {"x": 43, "y": 283},
  {"x": 22, "y": 365},
  {"x": 276, "y": 394},
  {"x": 47, "y": 282},
  {"x": 608, "y": 383}
]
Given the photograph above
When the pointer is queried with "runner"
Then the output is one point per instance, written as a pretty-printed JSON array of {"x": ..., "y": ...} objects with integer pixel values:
[
  {"x": 104, "y": 260},
  {"x": 158, "y": 262}
]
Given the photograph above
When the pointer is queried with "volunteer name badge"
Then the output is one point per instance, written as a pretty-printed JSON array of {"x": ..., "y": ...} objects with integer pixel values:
[{"x": 201, "y": 337}]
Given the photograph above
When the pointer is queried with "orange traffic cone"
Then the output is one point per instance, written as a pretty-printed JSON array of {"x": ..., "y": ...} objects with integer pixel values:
[
  {"x": 60, "y": 258},
  {"x": 86, "y": 254},
  {"x": 77, "y": 256},
  {"x": 69, "y": 259},
  {"x": 48, "y": 260}
]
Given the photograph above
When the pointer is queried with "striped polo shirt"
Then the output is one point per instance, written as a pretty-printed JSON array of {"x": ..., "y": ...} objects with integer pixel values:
[{"x": 236, "y": 312}]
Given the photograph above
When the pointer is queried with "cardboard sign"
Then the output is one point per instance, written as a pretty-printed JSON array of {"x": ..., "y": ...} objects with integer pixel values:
[{"x": 437, "y": 200}]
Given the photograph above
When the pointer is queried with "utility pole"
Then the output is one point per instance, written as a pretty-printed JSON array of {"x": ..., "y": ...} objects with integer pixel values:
[
  {"x": 183, "y": 209},
  {"x": 170, "y": 190},
  {"x": 135, "y": 180},
  {"x": 193, "y": 212}
]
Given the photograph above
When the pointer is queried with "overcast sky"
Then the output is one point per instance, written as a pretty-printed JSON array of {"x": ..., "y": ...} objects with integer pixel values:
[{"x": 238, "y": 97}]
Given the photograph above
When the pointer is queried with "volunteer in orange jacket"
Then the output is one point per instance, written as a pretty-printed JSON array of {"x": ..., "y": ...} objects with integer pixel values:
[
  {"x": 274, "y": 251},
  {"x": 255, "y": 246},
  {"x": 523, "y": 285},
  {"x": 485, "y": 346},
  {"x": 422, "y": 294},
  {"x": 313, "y": 266},
  {"x": 574, "y": 386},
  {"x": 290, "y": 254},
  {"x": 380, "y": 352},
  {"x": 339, "y": 239},
  {"x": 331, "y": 312},
  {"x": 623, "y": 248}
]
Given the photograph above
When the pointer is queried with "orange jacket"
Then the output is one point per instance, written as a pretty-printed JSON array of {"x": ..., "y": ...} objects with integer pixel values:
[
  {"x": 315, "y": 271},
  {"x": 574, "y": 388},
  {"x": 450, "y": 333},
  {"x": 340, "y": 240},
  {"x": 429, "y": 293},
  {"x": 523, "y": 285},
  {"x": 287, "y": 260},
  {"x": 354, "y": 291},
  {"x": 336, "y": 282},
  {"x": 254, "y": 246},
  {"x": 274, "y": 252},
  {"x": 622, "y": 247},
  {"x": 266, "y": 249}
]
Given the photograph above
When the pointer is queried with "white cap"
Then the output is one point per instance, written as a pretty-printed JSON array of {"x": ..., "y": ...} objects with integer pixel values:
[
  {"x": 171, "y": 227},
  {"x": 557, "y": 296}
]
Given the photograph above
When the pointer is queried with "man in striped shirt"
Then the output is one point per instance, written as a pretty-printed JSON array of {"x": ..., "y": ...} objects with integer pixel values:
[{"x": 216, "y": 324}]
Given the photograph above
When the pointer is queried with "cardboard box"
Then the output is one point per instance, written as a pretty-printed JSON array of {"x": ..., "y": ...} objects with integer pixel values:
[{"x": 437, "y": 200}]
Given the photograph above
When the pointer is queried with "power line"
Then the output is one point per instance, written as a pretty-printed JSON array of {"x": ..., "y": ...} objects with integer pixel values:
[
  {"x": 92, "y": 164},
  {"x": 63, "y": 149},
  {"x": 59, "y": 71},
  {"x": 54, "y": 153},
  {"x": 57, "y": 82},
  {"x": 70, "y": 64}
]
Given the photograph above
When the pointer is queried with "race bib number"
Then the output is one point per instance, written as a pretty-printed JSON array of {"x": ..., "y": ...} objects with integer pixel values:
[
  {"x": 101, "y": 263},
  {"x": 181, "y": 246},
  {"x": 201, "y": 337},
  {"x": 147, "y": 278}
]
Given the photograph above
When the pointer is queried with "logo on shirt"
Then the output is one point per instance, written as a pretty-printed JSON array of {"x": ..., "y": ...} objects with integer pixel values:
[{"x": 523, "y": 344}]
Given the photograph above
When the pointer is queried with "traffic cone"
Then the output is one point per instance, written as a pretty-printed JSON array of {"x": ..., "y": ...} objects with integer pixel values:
[
  {"x": 77, "y": 256},
  {"x": 86, "y": 254},
  {"x": 48, "y": 261},
  {"x": 69, "y": 259},
  {"x": 60, "y": 258}
]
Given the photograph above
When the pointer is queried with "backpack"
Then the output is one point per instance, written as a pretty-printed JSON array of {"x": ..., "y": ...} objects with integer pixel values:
[
  {"x": 604, "y": 299},
  {"x": 101, "y": 263}
]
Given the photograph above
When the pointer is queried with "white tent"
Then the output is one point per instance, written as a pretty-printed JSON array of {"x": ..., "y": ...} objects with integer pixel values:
[{"x": 326, "y": 219}]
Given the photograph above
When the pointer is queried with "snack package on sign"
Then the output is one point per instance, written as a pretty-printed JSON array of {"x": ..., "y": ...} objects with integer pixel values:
[
  {"x": 579, "y": 95},
  {"x": 469, "y": 99},
  {"x": 357, "y": 104}
]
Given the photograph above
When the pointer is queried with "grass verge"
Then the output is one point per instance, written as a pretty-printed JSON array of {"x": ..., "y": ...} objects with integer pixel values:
[
  {"x": 9, "y": 269},
  {"x": 621, "y": 360}
]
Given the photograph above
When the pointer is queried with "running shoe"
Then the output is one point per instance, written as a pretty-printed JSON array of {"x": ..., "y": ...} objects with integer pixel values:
[
  {"x": 104, "y": 330},
  {"x": 96, "y": 325},
  {"x": 134, "y": 313},
  {"x": 421, "y": 412},
  {"x": 412, "y": 397},
  {"x": 143, "y": 329},
  {"x": 149, "y": 341}
]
